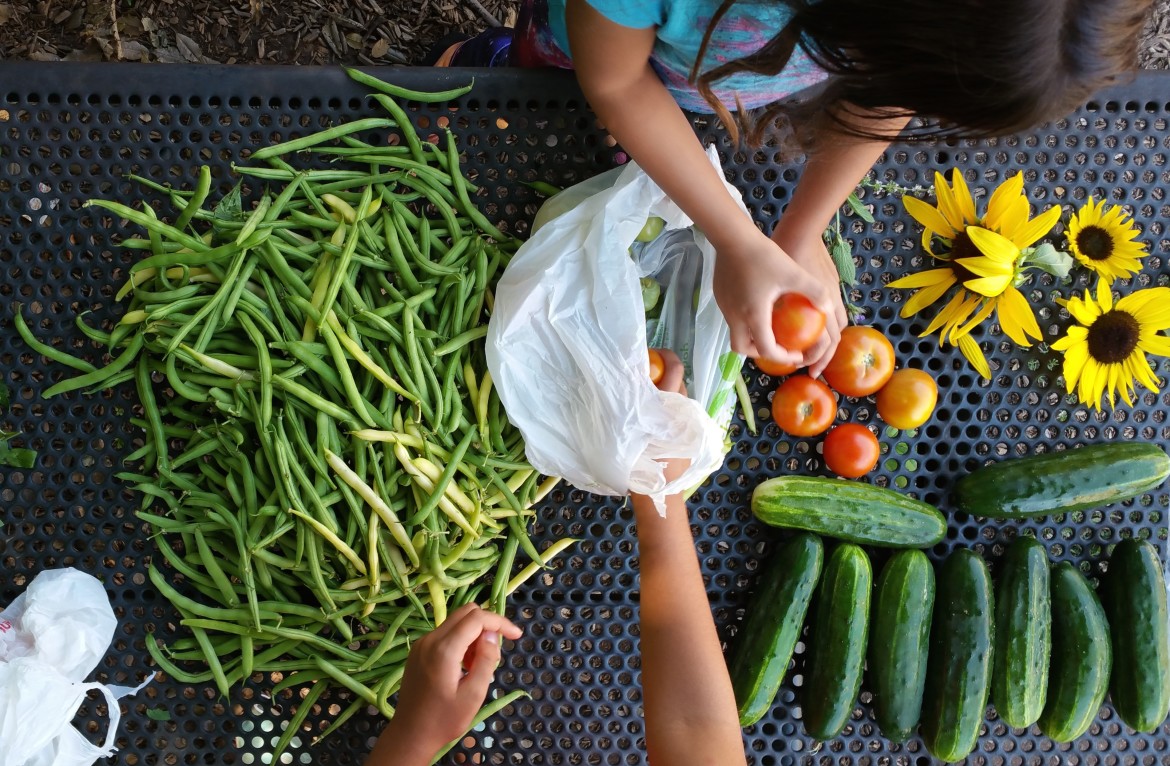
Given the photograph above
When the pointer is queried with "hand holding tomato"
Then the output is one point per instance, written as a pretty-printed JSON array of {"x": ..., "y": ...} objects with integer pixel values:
[{"x": 796, "y": 322}]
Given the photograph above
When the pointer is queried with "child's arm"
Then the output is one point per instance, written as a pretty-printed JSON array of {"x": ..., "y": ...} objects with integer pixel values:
[
  {"x": 613, "y": 67},
  {"x": 831, "y": 175},
  {"x": 438, "y": 699},
  {"x": 690, "y": 710}
]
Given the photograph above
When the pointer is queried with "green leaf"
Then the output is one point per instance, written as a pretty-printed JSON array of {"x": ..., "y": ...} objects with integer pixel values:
[
  {"x": 1047, "y": 258},
  {"x": 842, "y": 254},
  {"x": 231, "y": 207},
  {"x": 17, "y": 458},
  {"x": 859, "y": 208},
  {"x": 158, "y": 714}
]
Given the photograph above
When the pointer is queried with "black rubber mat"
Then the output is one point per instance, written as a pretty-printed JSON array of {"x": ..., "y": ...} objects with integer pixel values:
[{"x": 72, "y": 132}]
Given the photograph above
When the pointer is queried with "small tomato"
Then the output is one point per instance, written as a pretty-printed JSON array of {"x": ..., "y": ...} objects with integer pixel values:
[
  {"x": 775, "y": 369},
  {"x": 657, "y": 366},
  {"x": 802, "y": 406},
  {"x": 851, "y": 450},
  {"x": 796, "y": 322},
  {"x": 863, "y": 362},
  {"x": 908, "y": 400}
]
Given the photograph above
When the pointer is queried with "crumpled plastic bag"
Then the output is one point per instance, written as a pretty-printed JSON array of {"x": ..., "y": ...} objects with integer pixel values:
[
  {"x": 566, "y": 345},
  {"x": 51, "y": 637}
]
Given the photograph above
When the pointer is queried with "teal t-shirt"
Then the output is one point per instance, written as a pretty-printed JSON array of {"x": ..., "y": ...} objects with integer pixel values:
[{"x": 680, "y": 26}]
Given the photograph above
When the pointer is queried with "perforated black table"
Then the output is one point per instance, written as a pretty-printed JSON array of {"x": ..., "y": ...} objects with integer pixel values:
[{"x": 69, "y": 133}]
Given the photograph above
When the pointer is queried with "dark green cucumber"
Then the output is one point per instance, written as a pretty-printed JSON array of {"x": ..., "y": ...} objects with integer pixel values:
[
  {"x": 774, "y": 620},
  {"x": 899, "y": 641},
  {"x": 1133, "y": 592},
  {"x": 1081, "y": 656},
  {"x": 837, "y": 643},
  {"x": 1062, "y": 482},
  {"x": 1023, "y": 634},
  {"x": 848, "y": 510},
  {"x": 958, "y": 673}
]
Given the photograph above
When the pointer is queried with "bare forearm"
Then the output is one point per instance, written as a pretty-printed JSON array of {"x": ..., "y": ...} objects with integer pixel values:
[
  {"x": 669, "y": 152},
  {"x": 831, "y": 174},
  {"x": 691, "y": 714}
]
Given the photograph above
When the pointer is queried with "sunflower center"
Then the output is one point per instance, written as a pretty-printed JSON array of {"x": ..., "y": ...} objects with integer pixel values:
[
  {"x": 1095, "y": 243},
  {"x": 1113, "y": 337},
  {"x": 963, "y": 247}
]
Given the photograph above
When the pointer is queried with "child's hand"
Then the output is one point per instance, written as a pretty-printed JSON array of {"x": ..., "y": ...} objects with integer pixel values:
[
  {"x": 672, "y": 380},
  {"x": 815, "y": 259},
  {"x": 749, "y": 278},
  {"x": 446, "y": 681}
]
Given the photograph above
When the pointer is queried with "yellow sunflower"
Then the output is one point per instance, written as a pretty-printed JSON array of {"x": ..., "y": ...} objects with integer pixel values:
[
  {"x": 1106, "y": 351},
  {"x": 985, "y": 256},
  {"x": 1102, "y": 239}
]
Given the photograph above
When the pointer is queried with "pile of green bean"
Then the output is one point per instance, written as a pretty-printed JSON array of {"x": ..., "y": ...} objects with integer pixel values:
[{"x": 328, "y": 469}]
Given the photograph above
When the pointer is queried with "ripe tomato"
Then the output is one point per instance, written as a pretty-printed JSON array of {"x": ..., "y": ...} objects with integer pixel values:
[
  {"x": 802, "y": 406},
  {"x": 657, "y": 366},
  {"x": 908, "y": 400},
  {"x": 775, "y": 369},
  {"x": 796, "y": 322},
  {"x": 851, "y": 450},
  {"x": 863, "y": 362}
]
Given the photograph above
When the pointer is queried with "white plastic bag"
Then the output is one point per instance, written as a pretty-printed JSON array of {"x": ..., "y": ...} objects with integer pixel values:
[
  {"x": 567, "y": 343},
  {"x": 51, "y": 637}
]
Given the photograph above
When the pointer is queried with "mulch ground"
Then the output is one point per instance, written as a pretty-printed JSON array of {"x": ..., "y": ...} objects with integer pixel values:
[{"x": 287, "y": 31}]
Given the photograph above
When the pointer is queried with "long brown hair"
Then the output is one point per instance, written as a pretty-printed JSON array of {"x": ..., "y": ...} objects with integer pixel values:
[{"x": 975, "y": 68}]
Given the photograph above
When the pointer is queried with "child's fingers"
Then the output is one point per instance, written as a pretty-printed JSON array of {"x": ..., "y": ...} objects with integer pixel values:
[
  {"x": 741, "y": 338},
  {"x": 474, "y": 686},
  {"x": 468, "y": 630},
  {"x": 765, "y": 342}
]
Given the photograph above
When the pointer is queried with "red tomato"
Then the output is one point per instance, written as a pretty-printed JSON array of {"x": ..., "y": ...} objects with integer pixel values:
[
  {"x": 908, "y": 400},
  {"x": 851, "y": 450},
  {"x": 796, "y": 322},
  {"x": 775, "y": 369},
  {"x": 863, "y": 362},
  {"x": 802, "y": 406},
  {"x": 657, "y": 366}
]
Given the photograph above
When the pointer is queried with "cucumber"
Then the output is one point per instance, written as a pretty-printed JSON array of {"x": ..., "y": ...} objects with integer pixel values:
[
  {"x": 1023, "y": 634},
  {"x": 899, "y": 641},
  {"x": 1134, "y": 595},
  {"x": 1062, "y": 482},
  {"x": 1081, "y": 656},
  {"x": 837, "y": 643},
  {"x": 958, "y": 673},
  {"x": 848, "y": 510},
  {"x": 774, "y": 621}
]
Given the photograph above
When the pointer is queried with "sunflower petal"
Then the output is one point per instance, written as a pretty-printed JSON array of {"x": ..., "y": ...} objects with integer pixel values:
[
  {"x": 1084, "y": 311},
  {"x": 947, "y": 205},
  {"x": 925, "y": 278},
  {"x": 1104, "y": 297},
  {"x": 955, "y": 311},
  {"x": 996, "y": 247},
  {"x": 1037, "y": 227},
  {"x": 929, "y": 216},
  {"x": 1005, "y": 202},
  {"x": 924, "y": 297},
  {"x": 1158, "y": 345},
  {"x": 1016, "y": 317},
  {"x": 1089, "y": 388},
  {"x": 1150, "y": 307},
  {"x": 983, "y": 312},
  {"x": 989, "y": 286},
  {"x": 1074, "y": 363},
  {"x": 963, "y": 198},
  {"x": 974, "y": 354}
]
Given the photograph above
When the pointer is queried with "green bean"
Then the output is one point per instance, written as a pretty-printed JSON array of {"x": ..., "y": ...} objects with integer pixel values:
[
  {"x": 460, "y": 183},
  {"x": 150, "y": 223},
  {"x": 297, "y": 720},
  {"x": 485, "y": 712},
  {"x": 412, "y": 95},
  {"x": 202, "y": 188},
  {"x": 170, "y": 668},
  {"x": 44, "y": 350},
  {"x": 297, "y": 144},
  {"x": 461, "y": 340}
]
